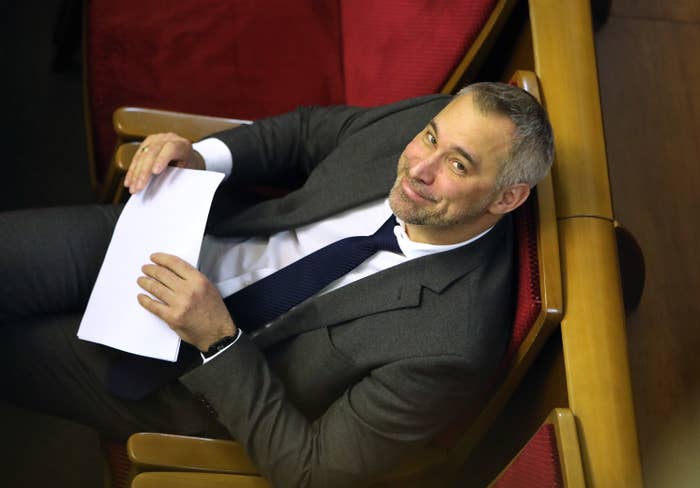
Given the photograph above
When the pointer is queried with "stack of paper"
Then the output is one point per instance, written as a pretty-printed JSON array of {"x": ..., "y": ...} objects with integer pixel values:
[{"x": 168, "y": 216}]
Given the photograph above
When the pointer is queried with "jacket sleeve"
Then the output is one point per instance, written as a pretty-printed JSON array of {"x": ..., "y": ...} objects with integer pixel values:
[
  {"x": 394, "y": 409},
  {"x": 287, "y": 147}
]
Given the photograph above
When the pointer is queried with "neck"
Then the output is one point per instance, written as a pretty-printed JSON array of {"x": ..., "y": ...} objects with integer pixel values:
[{"x": 446, "y": 235}]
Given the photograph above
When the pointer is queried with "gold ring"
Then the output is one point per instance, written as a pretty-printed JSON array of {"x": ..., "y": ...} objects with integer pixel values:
[{"x": 144, "y": 149}]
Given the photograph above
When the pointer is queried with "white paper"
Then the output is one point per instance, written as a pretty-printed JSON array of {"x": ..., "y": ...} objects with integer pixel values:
[{"x": 169, "y": 216}]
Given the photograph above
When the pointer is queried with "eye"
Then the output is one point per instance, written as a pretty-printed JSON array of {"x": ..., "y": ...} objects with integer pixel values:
[
  {"x": 430, "y": 138},
  {"x": 458, "y": 166}
]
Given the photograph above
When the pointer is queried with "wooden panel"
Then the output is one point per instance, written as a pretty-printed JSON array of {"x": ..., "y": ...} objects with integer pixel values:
[
  {"x": 682, "y": 10},
  {"x": 650, "y": 90},
  {"x": 197, "y": 480},
  {"x": 593, "y": 336},
  {"x": 595, "y": 354},
  {"x": 565, "y": 64}
]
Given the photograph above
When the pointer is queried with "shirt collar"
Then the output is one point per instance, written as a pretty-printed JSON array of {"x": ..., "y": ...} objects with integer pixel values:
[{"x": 413, "y": 250}]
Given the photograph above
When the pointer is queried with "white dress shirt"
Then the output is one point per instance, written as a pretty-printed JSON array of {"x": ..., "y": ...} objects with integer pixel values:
[{"x": 234, "y": 263}]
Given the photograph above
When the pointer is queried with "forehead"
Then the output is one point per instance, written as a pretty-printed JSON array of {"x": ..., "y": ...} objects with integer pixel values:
[{"x": 461, "y": 124}]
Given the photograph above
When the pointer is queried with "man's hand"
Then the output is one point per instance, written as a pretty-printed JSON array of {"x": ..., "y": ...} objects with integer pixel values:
[
  {"x": 155, "y": 153},
  {"x": 189, "y": 302}
]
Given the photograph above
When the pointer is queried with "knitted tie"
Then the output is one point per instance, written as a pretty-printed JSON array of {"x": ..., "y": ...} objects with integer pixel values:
[
  {"x": 270, "y": 297},
  {"x": 133, "y": 377}
]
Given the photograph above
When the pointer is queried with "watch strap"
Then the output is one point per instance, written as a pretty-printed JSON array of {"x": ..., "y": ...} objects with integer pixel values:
[{"x": 220, "y": 345}]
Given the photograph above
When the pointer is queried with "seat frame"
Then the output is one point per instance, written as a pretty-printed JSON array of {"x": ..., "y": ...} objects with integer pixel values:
[
  {"x": 591, "y": 353},
  {"x": 151, "y": 451}
]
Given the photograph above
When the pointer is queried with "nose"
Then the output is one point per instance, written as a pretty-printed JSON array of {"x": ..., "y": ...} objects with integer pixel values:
[{"x": 425, "y": 168}]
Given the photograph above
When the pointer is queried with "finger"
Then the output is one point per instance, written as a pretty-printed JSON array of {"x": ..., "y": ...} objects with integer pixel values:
[
  {"x": 162, "y": 274},
  {"x": 171, "y": 150},
  {"x": 144, "y": 160},
  {"x": 133, "y": 165},
  {"x": 179, "y": 266},
  {"x": 155, "y": 288},
  {"x": 155, "y": 153},
  {"x": 153, "y": 306},
  {"x": 144, "y": 167},
  {"x": 136, "y": 167}
]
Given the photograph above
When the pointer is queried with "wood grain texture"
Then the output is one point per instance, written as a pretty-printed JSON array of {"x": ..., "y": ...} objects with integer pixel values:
[
  {"x": 678, "y": 10},
  {"x": 650, "y": 90},
  {"x": 593, "y": 332}
]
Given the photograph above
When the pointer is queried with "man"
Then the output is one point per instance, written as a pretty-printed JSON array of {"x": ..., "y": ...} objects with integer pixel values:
[{"x": 337, "y": 389}]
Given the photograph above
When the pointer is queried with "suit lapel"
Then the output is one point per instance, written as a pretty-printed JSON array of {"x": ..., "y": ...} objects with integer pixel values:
[{"x": 395, "y": 288}]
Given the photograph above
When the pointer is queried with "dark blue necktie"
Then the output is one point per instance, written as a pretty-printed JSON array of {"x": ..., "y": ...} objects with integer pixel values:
[
  {"x": 265, "y": 300},
  {"x": 134, "y": 377}
]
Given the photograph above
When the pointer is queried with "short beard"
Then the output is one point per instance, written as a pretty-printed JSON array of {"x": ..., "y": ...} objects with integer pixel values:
[{"x": 411, "y": 213}]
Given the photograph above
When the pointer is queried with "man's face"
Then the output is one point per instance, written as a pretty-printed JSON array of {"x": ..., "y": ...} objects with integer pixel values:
[{"x": 445, "y": 182}]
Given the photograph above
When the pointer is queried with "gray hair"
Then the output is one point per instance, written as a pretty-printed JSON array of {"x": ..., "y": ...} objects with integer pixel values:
[{"x": 532, "y": 150}]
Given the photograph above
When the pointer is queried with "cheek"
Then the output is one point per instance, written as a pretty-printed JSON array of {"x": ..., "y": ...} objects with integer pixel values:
[
  {"x": 413, "y": 150},
  {"x": 464, "y": 195}
]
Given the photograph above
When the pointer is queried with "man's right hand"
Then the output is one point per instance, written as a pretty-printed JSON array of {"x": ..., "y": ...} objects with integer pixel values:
[{"x": 155, "y": 153}]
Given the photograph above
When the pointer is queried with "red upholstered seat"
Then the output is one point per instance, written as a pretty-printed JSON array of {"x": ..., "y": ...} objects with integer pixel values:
[
  {"x": 254, "y": 59},
  {"x": 119, "y": 468},
  {"x": 536, "y": 466},
  {"x": 397, "y": 49},
  {"x": 529, "y": 300},
  {"x": 215, "y": 57}
]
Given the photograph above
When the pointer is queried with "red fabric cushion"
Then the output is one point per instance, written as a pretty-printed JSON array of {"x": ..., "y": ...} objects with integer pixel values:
[
  {"x": 246, "y": 59},
  {"x": 253, "y": 59},
  {"x": 118, "y": 463},
  {"x": 233, "y": 58},
  {"x": 529, "y": 300},
  {"x": 396, "y": 49},
  {"x": 537, "y": 465}
]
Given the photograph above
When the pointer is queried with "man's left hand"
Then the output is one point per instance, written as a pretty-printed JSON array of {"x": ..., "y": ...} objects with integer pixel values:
[{"x": 186, "y": 300}]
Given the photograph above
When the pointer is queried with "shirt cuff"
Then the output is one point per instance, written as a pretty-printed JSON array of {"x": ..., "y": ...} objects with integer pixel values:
[
  {"x": 206, "y": 360},
  {"x": 216, "y": 154}
]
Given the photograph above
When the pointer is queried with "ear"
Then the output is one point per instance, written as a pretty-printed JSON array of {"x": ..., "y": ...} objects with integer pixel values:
[{"x": 510, "y": 198}]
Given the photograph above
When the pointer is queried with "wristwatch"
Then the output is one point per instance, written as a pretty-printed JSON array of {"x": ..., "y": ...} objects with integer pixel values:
[{"x": 220, "y": 345}]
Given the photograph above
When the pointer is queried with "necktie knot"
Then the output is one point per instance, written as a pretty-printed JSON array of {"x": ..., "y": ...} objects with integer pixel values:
[{"x": 384, "y": 239}]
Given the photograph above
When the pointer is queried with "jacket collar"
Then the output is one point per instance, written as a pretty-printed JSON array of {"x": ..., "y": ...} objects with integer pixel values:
[{"x": 395, "y": 288}]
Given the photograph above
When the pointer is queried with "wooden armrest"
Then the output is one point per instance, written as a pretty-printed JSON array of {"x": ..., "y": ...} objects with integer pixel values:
[
  {"x": 568, "y": 446},
  {"x": 133, "y": 123},
  {"x": 197, "y": 480},
  {"x": 124, "y": 154},
  {"x": 182, "y": 453}
]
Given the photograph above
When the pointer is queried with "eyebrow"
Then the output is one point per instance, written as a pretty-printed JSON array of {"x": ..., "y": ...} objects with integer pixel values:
[{"x": 465, "y": 154}]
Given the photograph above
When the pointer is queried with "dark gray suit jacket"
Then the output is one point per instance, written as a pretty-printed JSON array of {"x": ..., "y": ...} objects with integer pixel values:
[{"x": 338, "y": 389}]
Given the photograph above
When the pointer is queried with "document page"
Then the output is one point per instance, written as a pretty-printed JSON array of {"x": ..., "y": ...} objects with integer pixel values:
[{"x": 169, "y": 216}]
